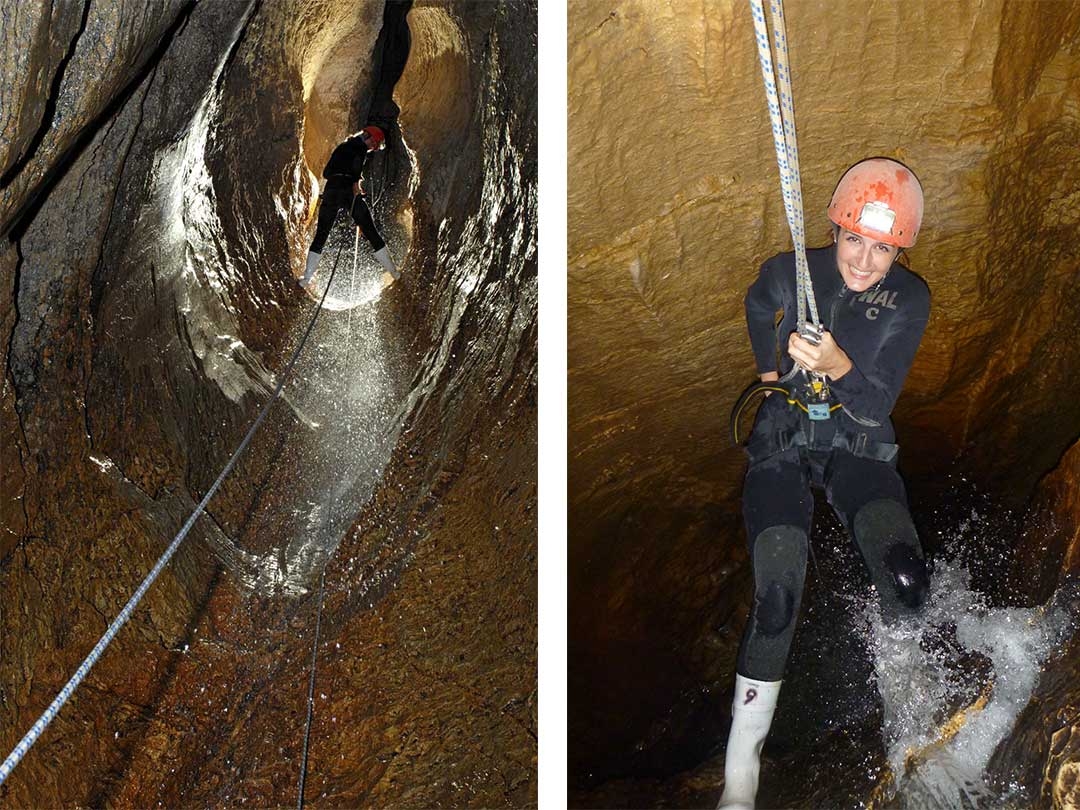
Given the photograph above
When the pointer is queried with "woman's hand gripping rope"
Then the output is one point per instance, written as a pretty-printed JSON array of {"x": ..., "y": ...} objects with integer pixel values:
[{"x": 825, "y": 357}]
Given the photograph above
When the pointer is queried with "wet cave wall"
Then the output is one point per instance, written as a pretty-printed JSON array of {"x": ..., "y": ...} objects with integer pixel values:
[
  {"x": 674, "y": 203},
  {"x": 159, "y": 167}
]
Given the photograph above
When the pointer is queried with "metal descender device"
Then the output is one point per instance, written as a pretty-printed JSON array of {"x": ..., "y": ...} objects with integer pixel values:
[{"x": 817, "y": 387}]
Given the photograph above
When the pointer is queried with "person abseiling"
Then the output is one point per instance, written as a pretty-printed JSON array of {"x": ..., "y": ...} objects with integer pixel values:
[
  {"x": 834, "y": 434},
  {"x": 342, "y": 173}
]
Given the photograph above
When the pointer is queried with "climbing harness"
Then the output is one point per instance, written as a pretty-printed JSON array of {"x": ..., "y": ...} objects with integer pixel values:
[
  {"x": 50, "y": 713},
  {"x": 811, "y": 394},
  {"x": 790, "y": 393}
]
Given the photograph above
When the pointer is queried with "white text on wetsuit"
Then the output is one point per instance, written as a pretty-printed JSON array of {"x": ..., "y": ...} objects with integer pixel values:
[{"x": 885, "y": 298}]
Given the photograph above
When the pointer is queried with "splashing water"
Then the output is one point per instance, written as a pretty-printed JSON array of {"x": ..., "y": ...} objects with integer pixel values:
[
  {"x": 345, "y": 390},
  {"x": 351, "y": 287},
  {"x": 952, "y": 683}
]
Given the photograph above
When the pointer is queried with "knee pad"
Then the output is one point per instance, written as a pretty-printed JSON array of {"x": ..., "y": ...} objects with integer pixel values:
[
  {"x": 779, "y": 555},
  {"x": 779, "y": 573},
  {"x": 890, "y": 546},
  {"x": 775, "y": 609},
  {"x": 910, "y": 578}
]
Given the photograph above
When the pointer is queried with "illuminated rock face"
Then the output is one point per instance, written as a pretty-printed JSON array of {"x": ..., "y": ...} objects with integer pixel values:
[
  {"x": 674, "y": 202},
  {"x": 1044, "y": 749},
  {"x": 157, "y": 202}
]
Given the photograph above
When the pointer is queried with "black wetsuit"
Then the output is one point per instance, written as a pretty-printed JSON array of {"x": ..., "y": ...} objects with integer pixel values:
[
  {"x": 851, "y": 455},
  {"x": 344, "y": 168}
]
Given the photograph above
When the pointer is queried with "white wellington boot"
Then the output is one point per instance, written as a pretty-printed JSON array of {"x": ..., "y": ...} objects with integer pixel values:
[
  {"x": 383, "y": 257},
  {"x": 312, "y": 266},
  {"x": 751, "y": 715}
]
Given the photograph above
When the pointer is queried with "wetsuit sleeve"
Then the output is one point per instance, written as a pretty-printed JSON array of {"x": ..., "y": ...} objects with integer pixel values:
[
  {"x": 764, "y": 298},
  {"x": 872, "y": 393},
  {"x": 333, "y": 164},
  {"x": 357, "y": 158}
]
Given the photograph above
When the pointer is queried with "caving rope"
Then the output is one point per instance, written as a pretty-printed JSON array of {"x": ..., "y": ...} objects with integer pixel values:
[
  {"x": 376, "y": 198},
  {"x": 782, "y": 113},
  {"x": 815, "y": 391},
  {"x": 47, "y": 716},
  {"x": 311, "y": 690},
  {"x": 322, "y": 575}
]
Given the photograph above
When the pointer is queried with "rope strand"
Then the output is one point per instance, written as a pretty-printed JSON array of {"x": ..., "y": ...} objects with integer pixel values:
[
  {"x": 50, "y": 713},
  {"x": 311, "y": 690},
  {"x": 782, "y": 114}
]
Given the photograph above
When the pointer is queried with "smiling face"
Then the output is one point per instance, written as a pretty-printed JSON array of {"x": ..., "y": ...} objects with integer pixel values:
[{"x": 862, "y": 260}]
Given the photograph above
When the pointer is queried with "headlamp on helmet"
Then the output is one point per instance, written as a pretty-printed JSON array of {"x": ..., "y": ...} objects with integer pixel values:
[{"x": 877, "y": 217}]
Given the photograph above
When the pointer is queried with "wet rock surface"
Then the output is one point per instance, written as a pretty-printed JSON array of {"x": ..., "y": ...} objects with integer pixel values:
[
  {"x": 158, "y": 190},
  {"x": 673, "y": 204}
]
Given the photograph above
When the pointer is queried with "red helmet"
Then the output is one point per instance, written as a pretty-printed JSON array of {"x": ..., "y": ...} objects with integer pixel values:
[
  {"x": 376, "y": 135},
  {"x": 881, "y": 199}
]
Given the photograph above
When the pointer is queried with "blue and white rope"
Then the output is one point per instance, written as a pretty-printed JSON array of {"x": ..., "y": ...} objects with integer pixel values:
[
  {"x": 782, "y": 114},
  {"x": 47, "y": 716}
]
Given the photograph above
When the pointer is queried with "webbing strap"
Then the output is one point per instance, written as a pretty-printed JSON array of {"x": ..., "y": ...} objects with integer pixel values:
[
  {"x": 47, "y": 716},
  {"x": 782, "y": 114}
]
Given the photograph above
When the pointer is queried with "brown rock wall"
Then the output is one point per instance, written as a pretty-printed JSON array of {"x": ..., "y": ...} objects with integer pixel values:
[
  {"x": 13, "y": 452},
  {"x": 1042, "y": 750},
  {"x": 1050, "y": 549},
  {"x": 65, "y": 70},
  {"x": 35, "y": 42}
]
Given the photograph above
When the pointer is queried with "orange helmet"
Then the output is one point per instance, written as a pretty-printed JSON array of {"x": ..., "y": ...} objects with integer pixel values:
[
  {"x": 879, "y": 198},
  {"x": 376, "y": 135}
]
